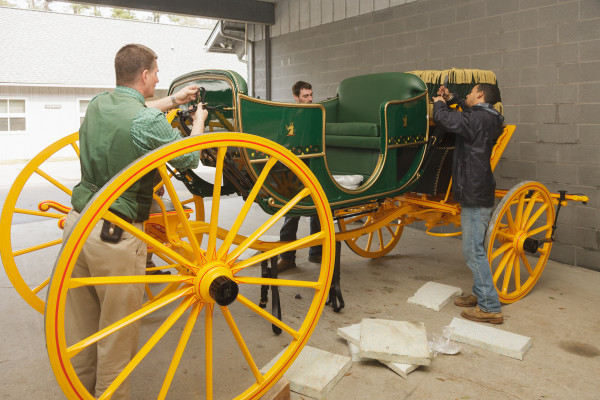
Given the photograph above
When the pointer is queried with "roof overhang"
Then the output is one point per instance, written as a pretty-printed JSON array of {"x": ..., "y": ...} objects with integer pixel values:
[
  {"x": 227, "y": 37},
  {"x": 251, "y": 11}
]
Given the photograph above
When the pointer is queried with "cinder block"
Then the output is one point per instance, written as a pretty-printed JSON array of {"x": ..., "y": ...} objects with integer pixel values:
[
  {"x": 315, "y": 372},
  {"x": 434, "y": 295},
  {"x": 590, "y": 51},
  {"x": 579, "y": 31},
  {"x": 394, "y": 341},
  {"x": 279, "y": 391},
  {"x": 544, "y": 36},
  {"x": 493, "y": 339}
]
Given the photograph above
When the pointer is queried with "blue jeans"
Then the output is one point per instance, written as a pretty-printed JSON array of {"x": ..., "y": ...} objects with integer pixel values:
[
  {"x": 288, "y": 234},
  {"x": 474, "y": 221}
]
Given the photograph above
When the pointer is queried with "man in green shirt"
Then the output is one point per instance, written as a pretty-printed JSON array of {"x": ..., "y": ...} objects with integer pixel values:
[{"x": 118, "y": 128}]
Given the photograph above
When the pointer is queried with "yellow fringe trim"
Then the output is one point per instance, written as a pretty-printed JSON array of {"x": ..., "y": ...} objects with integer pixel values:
[
  {"x": 459, "y": 76},
  {"x": 456, "y": 75}
]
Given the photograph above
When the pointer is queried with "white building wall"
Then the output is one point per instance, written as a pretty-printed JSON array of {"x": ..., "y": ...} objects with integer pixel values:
[{"x": 51, "y": 114}]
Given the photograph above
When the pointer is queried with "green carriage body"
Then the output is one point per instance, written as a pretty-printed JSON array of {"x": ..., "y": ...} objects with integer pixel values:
[{"x": 376, "y": 129}]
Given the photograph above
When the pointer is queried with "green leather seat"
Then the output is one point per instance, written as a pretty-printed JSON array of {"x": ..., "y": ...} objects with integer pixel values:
[{"x": 353, "y": 126}]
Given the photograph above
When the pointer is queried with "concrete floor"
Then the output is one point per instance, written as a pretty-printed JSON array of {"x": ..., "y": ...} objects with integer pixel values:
[{"x": 560, "y": 315}]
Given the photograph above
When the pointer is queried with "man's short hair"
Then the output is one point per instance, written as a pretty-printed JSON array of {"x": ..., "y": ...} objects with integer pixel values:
[
  {"x": 131, "y": 60},
  {"x": 298, "y": 86},
  {"x": 491, "y": 93}
]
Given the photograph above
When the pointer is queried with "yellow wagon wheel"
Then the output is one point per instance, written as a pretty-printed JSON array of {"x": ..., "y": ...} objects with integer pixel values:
[
  {"x": 518, "y": 239},
  {"x": 25, "y": 253},
  {"x": 215, "y": 278},
  {"x": 373, "y": 240}
]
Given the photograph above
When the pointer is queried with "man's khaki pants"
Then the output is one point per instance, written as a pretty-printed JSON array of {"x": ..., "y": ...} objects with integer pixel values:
[{"x": 92, "y": 308}]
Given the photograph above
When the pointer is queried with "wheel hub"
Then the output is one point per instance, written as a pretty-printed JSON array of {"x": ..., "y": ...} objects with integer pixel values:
[{"x": 215, "y": 284}]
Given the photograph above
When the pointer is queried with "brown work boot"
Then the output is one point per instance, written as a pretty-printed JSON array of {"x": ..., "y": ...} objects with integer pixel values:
[
  {"x": 466, "y": 301},
  {"x": 284, "y": 264},
  {"x": 475, "y": 314}
]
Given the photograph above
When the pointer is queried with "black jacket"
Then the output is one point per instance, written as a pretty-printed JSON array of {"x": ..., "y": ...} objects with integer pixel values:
[{"x": 477, "y": 129}]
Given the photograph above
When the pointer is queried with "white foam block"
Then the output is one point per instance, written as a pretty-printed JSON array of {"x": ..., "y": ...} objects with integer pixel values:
[
  {"x": 401, "y": 369},
  {"x": 351, "y": 333},
  {"x": 394, "y": 341},
  {"x": 434, "y": 295},
  {"x": 315, "y": 372},
  {"x": 493, "y": 339},
  {"x": 354, "y": 350}
]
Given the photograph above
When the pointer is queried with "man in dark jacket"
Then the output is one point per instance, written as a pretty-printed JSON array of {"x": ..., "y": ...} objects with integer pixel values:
[{"x": 477, "y": 128}]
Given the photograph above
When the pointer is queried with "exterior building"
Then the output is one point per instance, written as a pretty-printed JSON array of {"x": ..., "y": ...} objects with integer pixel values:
[{"x": 53, "y": 64}]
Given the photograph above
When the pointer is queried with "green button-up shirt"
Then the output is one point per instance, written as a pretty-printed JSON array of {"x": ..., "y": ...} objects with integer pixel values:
[{"x": 150, "y": 130}]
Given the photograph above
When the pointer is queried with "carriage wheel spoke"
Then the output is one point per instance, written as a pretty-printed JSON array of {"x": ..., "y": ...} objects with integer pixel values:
[
  {"x": 369, "y": 241},
  {"x": 510, "y": 221},
  {"x": 216, "y": 202},
  {"x": 38, "y": 213},
  {"x": 535, "y": 217},
  {"x": 246, "y": 208},
  {"x": 243, "y": 347},
  {"x": 538, "y": 230},
  {"x": 520, "y": 205},
  {"x": 308, "y": 241},
  {"x": 277, "y": 282},
  {"x": 149, "y": 345},
  {"x": 142, "y": 312},
  {"x": 41, "y": 286},
  {"x": 517, "y": 271},
  {"x": 508, "y": 273},
  {"x": 208, "y": 353},
  {"x": 38, "y": 247},
  {"x": 532, "y": 201},
  {"x": 54, "y": 181},
  {"x": 294, "y": 333},
  {"x": 380, "y": 235},
  {"x": 390, "y": 230},
  {"x": 265, "y": 227},
  {"x": 76, "y": 148},
  {"x": 159, "y": 247},
  {"x": 500, "y": 250},
  {"x": 527, "y": 264},
  {"x": 185, "y": 337},
  {"x": 502, "y": 264},
  {"x": 130, "y": 279},
  {"x": 183, "y": 219}
]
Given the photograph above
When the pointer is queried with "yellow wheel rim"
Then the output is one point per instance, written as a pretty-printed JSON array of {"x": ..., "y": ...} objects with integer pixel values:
[
  {"x": 217, "y": 256},
  {"x": 19, "y": 259},
  {"x": 517, "y": 240},
  {"x": 372, "y": 240}
]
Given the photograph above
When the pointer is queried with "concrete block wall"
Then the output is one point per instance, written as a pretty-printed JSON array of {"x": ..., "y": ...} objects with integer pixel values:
[{"x": 545, "y": 53}]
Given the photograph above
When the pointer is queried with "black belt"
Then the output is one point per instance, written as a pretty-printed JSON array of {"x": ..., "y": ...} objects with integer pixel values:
[{"x": 124, "y": 218}]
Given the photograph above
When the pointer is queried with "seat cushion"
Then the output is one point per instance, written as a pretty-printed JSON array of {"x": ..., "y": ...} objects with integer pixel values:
[
  {"x": 358, "y": 142},
  {"x": 352, "y": 129}
]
